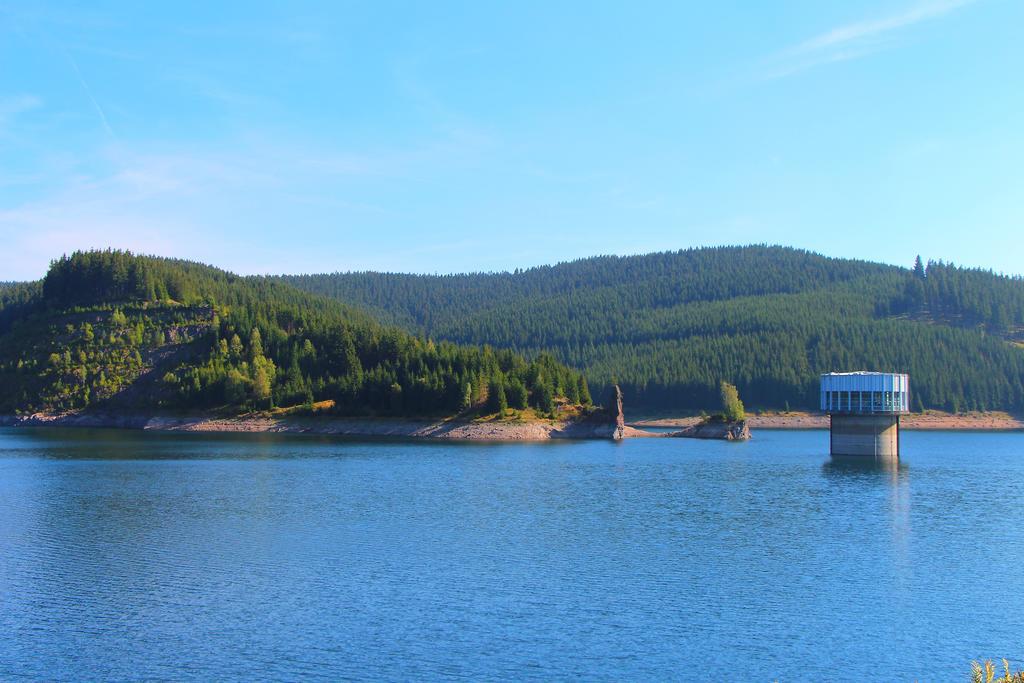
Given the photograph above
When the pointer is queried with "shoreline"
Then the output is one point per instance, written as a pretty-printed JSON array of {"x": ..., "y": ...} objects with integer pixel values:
[
  {"x": 539, "y": 430},
  {"x": 929, "y": 421},
  {"x": 469, "y": 430}
]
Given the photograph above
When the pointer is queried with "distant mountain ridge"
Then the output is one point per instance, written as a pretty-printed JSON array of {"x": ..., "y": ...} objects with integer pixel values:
[{"x": 669, "y": 326}]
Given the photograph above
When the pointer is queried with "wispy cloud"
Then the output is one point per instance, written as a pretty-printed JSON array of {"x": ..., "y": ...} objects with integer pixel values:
[
  {"x": 132, "y": 208},
  {"x": 200, "y": 82},
  {"x": 205, "y": 203},
  {"x": 15, "y": 104},
  {"x": 88, "y": 92},
  {"x": 857, "y": 39},
  {"x": 36, "y": 32},
  {"x": 11, "y": 107}
]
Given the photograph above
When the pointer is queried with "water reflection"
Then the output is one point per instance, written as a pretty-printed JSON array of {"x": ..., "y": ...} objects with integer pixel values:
[
  {"x": 856, "y": 475},
  {"x": 841, "y": 465},
  {"x": 75, "y": 443},
  {"x": 193, "y": 560}
]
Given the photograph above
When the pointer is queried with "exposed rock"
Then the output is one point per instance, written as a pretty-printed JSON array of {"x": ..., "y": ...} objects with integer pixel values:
[
  {"x": 600, "y": 424},
  {"x": 620, "y": 417},
  {"x": 594, "y": 427},
  {"x": 728, "y": 431}
]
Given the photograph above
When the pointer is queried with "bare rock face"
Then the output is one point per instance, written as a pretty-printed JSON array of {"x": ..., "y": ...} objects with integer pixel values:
[
  {"x": 727, "y": 431},
  {"x": 620, "y": 417}
]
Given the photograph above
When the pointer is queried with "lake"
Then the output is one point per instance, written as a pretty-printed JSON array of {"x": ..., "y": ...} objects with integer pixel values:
[{"x": 131, "y": 555}]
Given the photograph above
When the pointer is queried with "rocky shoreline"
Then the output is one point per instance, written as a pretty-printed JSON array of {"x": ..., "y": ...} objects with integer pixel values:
[
  {"x": 540, "y": 430},
  {"x": 727, "y": 431},
  {"x": 597, "y": 425},
  {"x": 926, "y": 421}
]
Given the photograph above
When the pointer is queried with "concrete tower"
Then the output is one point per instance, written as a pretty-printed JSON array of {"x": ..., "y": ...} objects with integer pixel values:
[{"x": 864, "y": 409}]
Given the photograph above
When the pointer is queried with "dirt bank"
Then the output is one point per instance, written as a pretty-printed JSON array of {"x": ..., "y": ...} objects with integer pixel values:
[
  {"x": 539, "y": 430},
  {"x": 995, "y": 421}
]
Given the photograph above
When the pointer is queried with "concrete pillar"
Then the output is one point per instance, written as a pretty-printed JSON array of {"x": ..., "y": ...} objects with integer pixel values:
[{"x": 874, "y": 435}]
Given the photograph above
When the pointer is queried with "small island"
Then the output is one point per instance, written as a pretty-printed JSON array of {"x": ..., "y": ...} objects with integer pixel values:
[{"x": 729, "y": 425}]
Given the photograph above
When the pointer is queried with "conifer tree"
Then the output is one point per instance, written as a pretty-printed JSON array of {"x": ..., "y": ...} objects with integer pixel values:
[
  {"x": 255, "y": 345},
  {"x": 516, "y": 394},
  {"x": 496, "y": 400},
  {"x": 235, "y": 347},
  {"x": 919, "y": 271},
  {"x": 544, "y": 398}
]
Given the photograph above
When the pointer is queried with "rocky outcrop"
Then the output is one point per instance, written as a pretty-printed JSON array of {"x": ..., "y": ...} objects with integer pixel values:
[
  {"x": 727, "y": 431},
  {"x": 620, "y": 417}
]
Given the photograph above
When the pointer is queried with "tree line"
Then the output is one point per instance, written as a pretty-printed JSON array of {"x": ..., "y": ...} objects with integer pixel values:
[
  {"x": 100, "y": 323},
  {"x": 670, "y": 327}
]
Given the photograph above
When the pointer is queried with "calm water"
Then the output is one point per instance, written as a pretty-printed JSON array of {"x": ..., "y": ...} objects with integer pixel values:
[{"x": 131, "y": 555}]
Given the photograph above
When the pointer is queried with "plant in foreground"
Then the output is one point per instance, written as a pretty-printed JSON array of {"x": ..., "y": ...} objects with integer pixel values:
[{"x": 986, "y": 673}]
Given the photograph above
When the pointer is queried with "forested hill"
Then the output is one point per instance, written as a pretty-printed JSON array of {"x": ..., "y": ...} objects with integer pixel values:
[
  {"x": 669, "y": 326},
  {"x": 111, "y": 330}
]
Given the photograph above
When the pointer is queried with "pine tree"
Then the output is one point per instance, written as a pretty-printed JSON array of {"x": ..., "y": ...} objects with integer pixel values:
[
  {"x": 255, "y": 345},
  {"x": 584, "y": 391},
  {"x": 544, "y": 397},
  {"x": 919, "y": 271},
  {"x": 261, "y": 379},
  {"x": 496, "y": 400},
  {"x": 516, "y": 394},
  {"x": 235, "y": 347}
]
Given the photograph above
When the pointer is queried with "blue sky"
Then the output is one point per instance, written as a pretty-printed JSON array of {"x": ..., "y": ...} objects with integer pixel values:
[{"x": 445, "y": 137}]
